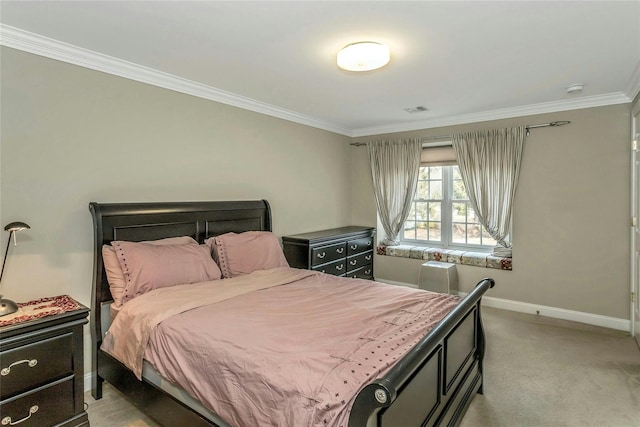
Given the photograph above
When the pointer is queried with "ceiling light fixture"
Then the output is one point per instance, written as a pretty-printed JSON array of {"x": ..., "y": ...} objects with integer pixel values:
[{"x": 363, "y": 56}]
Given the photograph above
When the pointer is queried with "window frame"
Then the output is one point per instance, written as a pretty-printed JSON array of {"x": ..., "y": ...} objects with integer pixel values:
[{"x": 446, "y": 217}]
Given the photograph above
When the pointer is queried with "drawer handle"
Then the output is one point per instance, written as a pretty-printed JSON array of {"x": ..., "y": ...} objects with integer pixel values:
[
  {"x": 368, "y": 257},
  {"x": 340, "y": 250},
  {"x": 369, "y": 243},
  {"x": 322, "y": 255},
  {"x": 6, "y": 371},
  {"x": 354, "y": 247},
  {"x": 353, "y": 262},
  {"x": 367, "y": 272},
  {"x": 339, "y": 267},
  {"x": 7, "y": 420}
]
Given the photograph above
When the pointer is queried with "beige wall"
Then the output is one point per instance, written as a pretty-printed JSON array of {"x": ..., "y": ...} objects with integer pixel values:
[
  {"x": 571, "y": 223},
  {"x": 71, "y": 135}
]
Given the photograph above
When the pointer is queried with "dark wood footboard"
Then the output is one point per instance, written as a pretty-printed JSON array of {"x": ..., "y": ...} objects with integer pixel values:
[{"x": 434, "y": 383}]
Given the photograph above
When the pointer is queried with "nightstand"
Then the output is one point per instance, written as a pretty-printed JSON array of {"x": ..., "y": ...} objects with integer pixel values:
[{"x": 42, "y": 367}]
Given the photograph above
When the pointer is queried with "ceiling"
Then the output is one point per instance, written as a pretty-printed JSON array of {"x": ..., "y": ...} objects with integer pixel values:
[{"x": 465, "y": 61}]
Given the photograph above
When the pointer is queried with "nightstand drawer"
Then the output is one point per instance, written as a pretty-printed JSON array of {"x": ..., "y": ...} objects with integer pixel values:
[
  {"x": 35, "y": 364},
  {"x": 336, "y": 268},
  {"x": 46, "y": 406},
  {"x": 359, "y": 245},
  {"x": 327, "y": 254},
  {"x": 357, "y": 261}
]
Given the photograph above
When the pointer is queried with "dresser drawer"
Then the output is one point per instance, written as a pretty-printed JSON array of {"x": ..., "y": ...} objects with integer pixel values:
[
  {"x": 336, "y": 268},
  {"x": 325, "y": 254},
  {"x": 356, "y": 261},
  {"x": 362, "y": 273},
  {"x": 359, "y": 245},
  {"x": 35, "y": 364},
  {"x": 46, "y": 406}
]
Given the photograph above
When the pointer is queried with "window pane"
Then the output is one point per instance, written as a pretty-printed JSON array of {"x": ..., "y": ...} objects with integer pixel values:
[
  {"x": 487, "y": 239},
  {"x": 459, "y": 212},
  {"x": 435, "y": 172},
  {"x": 424, "y": 173},
  {"x": 473, "y": 234},
  {"x": 435, "y": 231},
  {"x": 422, "y": 191},
  {"x": 435, "y": 190},
  {"x": 422, "y": 231},
  {"x": 459, "y": 233},
  {"x": 435, "y": 211},
  {"x": 409, "y": 230},
  {"x": 456, "y": 172},
  {"x": 471, "y": 214},
  {"x": 412, "y": 212},
  {"x": 422, "y": 211},
  {"x": 459, "y": 192}
]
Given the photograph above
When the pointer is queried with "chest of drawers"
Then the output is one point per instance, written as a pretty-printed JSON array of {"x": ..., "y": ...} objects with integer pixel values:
[
  {"x": 345, "y": 251},
  {"x": 41, "y": 371}
]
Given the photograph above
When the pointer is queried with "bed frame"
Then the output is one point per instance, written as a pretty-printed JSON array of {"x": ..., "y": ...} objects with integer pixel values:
[{"x": 432, "y": 385}]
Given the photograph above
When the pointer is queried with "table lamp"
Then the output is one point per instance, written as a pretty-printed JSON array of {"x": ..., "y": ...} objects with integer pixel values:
[{"x": 8, "y": 306}]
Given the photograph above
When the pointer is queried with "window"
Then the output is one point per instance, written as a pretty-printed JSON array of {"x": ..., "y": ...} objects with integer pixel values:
[{"x": 441, "y": 214}]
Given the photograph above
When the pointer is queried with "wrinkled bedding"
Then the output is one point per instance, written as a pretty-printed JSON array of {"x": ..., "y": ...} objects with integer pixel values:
[{"x": 279, "y": 347}]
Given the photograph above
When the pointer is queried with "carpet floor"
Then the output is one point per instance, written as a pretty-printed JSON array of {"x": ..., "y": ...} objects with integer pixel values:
[{"x": 539, "y": 372}]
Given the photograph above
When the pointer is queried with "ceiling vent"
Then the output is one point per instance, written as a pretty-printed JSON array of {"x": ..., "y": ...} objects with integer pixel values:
[{"x": 418, "y": 109}]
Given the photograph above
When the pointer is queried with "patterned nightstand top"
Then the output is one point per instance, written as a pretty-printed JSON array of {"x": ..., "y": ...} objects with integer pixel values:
[{"x": 39, "y": 308}]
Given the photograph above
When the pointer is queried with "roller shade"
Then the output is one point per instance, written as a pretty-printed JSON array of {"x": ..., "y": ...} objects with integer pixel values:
[{"x": 438, "y": 156}]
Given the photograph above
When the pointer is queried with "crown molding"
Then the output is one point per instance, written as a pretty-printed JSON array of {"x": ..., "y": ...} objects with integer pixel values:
[
  {"x": 633, "y": 87},
  {"x": 504, "y": 113},
  {"x": 33, "y": 43}
]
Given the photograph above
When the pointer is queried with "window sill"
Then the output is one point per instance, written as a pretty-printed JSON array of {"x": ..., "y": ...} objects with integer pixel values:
[{"x": 475, "y": 259}]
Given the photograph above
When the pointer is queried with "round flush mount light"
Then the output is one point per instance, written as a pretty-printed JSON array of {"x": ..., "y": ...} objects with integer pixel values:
[{"x": 363, "y": 56}]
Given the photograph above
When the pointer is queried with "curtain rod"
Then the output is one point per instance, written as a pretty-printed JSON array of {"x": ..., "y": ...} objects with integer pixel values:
[{"x": 447, "y": 137}]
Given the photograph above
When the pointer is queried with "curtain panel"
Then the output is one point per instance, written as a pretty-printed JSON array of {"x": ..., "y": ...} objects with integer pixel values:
[
  {"x": 489, "y": 164},
  {"x": 394, "y": 171}
]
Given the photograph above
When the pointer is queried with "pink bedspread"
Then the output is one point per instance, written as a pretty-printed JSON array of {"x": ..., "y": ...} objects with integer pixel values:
[{"x": 291, "y": 354}]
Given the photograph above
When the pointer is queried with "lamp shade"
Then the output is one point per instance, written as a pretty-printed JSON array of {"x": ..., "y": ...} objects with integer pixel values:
[
  {"x": 363, "y": 56},
  {"x": 16, "y": 226}
]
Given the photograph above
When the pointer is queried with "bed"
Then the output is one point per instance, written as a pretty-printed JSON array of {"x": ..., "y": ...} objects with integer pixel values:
[{"x": 432, "y": 383}]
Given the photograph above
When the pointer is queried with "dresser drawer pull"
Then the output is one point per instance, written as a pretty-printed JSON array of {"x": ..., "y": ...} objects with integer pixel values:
[
  {"x": 367, "y": 271},
  {"x": 368, "y": 257},
  {"x": 7, "y": 420},
  {"x": 354, "y": 247},
  {"x": 6, "y": 371},
  {"x": 353, "y": 262},
  {"x": 369, "y": 243},
  {"x": 340, "y": 250},
  {"x": 339, "y": 267},
  {"x": 322, "y": 255}
]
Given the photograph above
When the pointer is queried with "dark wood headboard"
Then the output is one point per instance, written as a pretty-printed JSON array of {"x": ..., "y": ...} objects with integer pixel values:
[{"x": 151, "y": 221}]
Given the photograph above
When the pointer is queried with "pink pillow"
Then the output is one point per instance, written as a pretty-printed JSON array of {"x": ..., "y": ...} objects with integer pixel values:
[
  {"x": 243, "y": 253},
  {"x": 147, "y": 267},
  {"x": 115, "y": 276}
]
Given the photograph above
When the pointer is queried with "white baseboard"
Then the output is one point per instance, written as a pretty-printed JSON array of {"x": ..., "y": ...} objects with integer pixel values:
[
  {"x": 87, "y": 381},
  {"x": 543, "y": 310}
]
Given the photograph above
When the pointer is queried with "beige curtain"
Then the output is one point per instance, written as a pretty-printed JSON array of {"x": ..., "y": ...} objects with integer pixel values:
[
  {"x": 489, "y": 163},
  {"x": 394, "y": 170}
]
